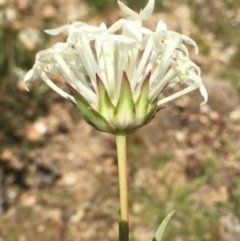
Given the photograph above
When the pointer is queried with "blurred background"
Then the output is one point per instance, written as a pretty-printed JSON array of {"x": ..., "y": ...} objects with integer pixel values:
[{"x": 58, "y": 176}]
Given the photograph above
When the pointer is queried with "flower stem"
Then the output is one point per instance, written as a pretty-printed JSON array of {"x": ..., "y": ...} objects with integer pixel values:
[{"x": 123, "y": 187}]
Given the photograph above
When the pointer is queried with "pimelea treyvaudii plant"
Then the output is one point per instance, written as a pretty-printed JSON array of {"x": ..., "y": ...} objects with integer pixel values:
[{"x": 116, "y": 76}]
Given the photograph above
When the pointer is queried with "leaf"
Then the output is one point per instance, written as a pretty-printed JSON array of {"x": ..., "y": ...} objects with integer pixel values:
[{"x": 159, "y": 234}]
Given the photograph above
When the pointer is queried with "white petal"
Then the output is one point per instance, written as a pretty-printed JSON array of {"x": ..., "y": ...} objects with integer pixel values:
[
  {"x": 191, "y": 42},
  {"x": 147, "y": 11},
  {"x": 113, "y": 39},
  {"x": 57, "y": 31},
  {"x": 166, "y": 58},
  {"x": 143, "y": 62},
  {"x": 56, "y": 88},
  {"x": 184, "y": 50},
  {"x": 161, "y": 26},
  {"x": 204, "y": 94},
  {"x": 43, "y": 55},
  {"x": 64, "y": 69},
  {"x": 116, "y": 26},
  {"x": 126, "y": 9},
  {"x": 29, "y": 75},
  {"x": 28, "y": 78},
  {"x": 103, "y": 26},
  {"x": 117, "y": 71},
  {"x": 84, "y": 51},
  {"x": 59, "y": 47},
  {"x": 159, "y": 84},
  {"x": 92, "y": 29},
  {"x": 176, "y": 95},
  {"x": 146, "y": 31},
  {"x": 132, "y": 29}
]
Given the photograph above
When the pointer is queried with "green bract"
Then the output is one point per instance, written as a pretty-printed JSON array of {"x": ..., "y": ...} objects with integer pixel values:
[
  {"x": 125, "y": 116},
  {"x": 116, "y": 74}
]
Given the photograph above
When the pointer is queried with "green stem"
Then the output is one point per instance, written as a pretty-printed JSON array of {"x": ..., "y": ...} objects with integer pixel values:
[{"x": 123, "y": 186}]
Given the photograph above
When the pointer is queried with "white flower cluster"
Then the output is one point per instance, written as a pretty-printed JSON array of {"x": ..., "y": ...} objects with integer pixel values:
[{"x": 92, "y": 54}]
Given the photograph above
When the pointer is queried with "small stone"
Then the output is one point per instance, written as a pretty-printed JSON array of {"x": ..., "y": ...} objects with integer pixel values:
[
  {"x": 6, "y": 155},
  {"x": 12, "y": 193},
  {"x": 235, "y": 115},
  {"x": 109, "y": 161},
  {"x": 22, "y": 238},
  {"x": 40, "y": 228},
  {"x": 21, "y": 86},
  {"x": 3, "y": 2},
  {"x": 27, "y": 200},
  {"x": 11, "y": 160},
  {"x": 180, "y": 136},
  {"x": 11, "y": 14},
  {"x": 69, "y": 179},
  {"x": 30, "y": 38},
  {"x": 196, "y": 138},
  {"x": 36, "y": 132},
  {"x": 22, "y": 5},
  {"x": 209, "y": 196},
  {"x": 214, "y": 116},
  {"x": 182, "y": 102},
  {"x": 205, "y": 109},
  {"x": 77, "y": 217},
  {"x": 71, "y": 156},
  {"x": 54, "y": 214},
  {"x": 230, "y": 227},
  {"x": 204, "y": 119},
  {"x": 49, "y": 12},
  {"x": 15, "y": 26},
  {"x": 137, "y": 207}
]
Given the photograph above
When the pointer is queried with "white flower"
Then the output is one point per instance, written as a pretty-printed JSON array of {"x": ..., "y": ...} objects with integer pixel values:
[{"x": 116, "y": 79}]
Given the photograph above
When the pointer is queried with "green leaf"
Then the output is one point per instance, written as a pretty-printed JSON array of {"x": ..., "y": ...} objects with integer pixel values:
[
  {"x": 90, "y": 115},
  {"x": 124, "y": 114},
  {"x": 159, "y": 234}
]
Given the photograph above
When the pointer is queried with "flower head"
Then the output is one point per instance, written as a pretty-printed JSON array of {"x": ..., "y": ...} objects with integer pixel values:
[{"x": 116, "y": 79}]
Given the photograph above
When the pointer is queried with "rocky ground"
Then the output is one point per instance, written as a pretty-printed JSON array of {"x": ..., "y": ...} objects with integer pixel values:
[{"x": 59, "y": 176}]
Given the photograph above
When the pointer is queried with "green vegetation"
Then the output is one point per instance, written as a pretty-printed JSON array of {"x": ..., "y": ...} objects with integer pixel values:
[{"x": 192, "y": 219}]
